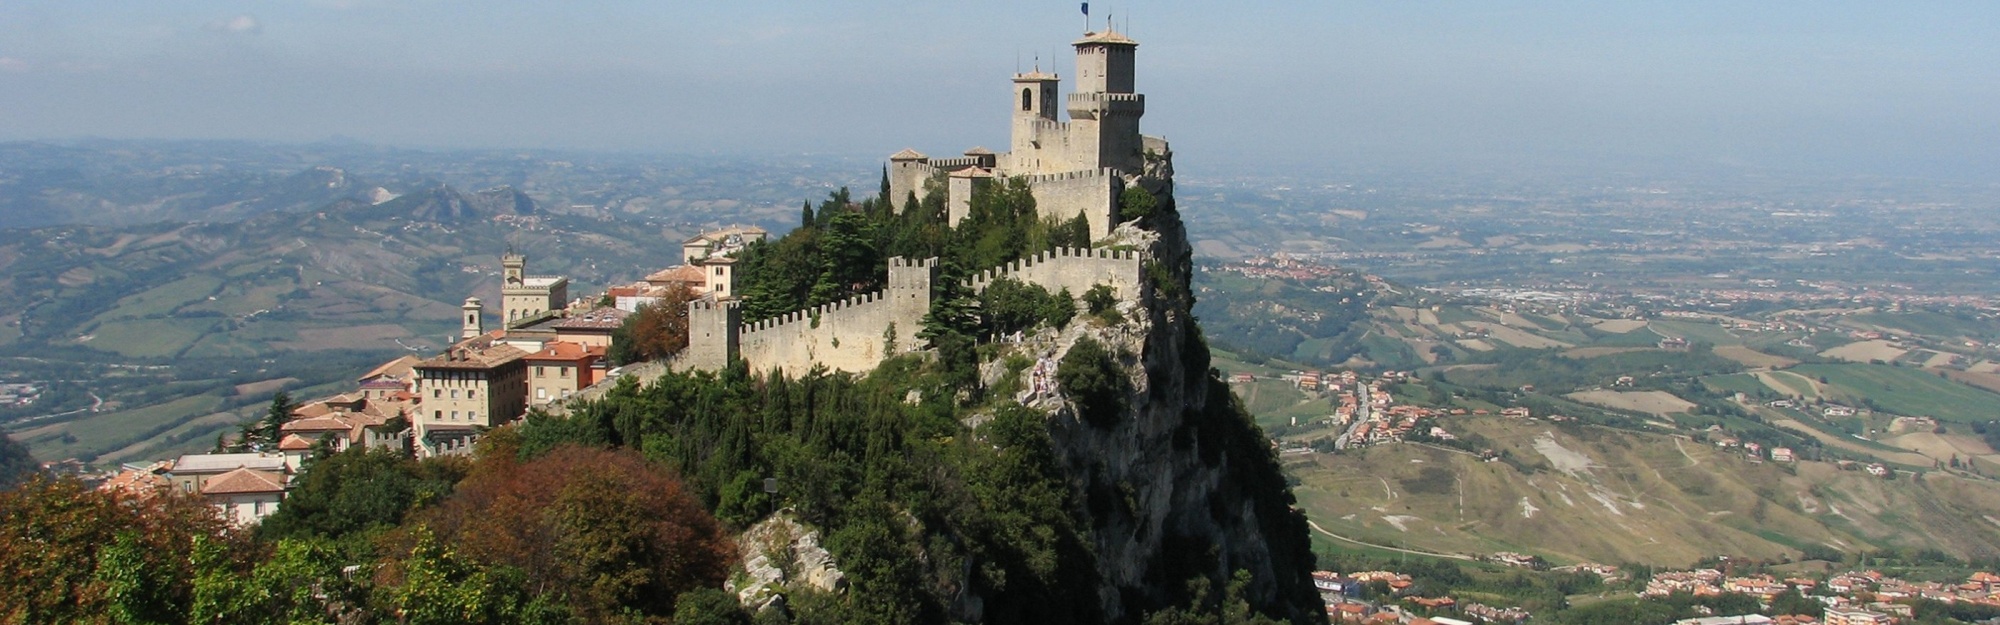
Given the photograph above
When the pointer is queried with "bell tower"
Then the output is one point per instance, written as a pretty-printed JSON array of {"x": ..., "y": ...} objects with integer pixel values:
[
  {"x": 474, "y": 325},
  {"x": 1038, "y": 136}
]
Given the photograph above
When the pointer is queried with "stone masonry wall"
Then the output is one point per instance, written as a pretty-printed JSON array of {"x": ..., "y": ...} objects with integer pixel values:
[
  {"x": 1094, "y": 192},
  {"x": 851, "y": 335},
  {"x": 1077, "y": 270}
]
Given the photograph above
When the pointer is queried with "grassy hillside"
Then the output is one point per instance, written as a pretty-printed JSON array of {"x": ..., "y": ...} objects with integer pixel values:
[{"x": 1618, "y": 496}]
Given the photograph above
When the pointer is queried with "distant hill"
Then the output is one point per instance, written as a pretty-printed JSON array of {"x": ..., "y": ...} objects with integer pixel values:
[
  {"x": 443, "y": 204},
  {"x": 1614, "y": 496},
  {"x": 154, "y": 337}
]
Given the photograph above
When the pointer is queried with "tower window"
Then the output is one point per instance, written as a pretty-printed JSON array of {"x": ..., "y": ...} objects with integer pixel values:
[{"x": 1027, "y": 100}]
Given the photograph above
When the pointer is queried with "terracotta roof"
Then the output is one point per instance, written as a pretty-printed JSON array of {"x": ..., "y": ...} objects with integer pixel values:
[
  {"x": 908, "y": 155},
  {"x": 329, "y": 423},
  {"x": 973, "y": 172},
  {"x": 475, "y": 353},
  {"x": 136, "y": 481},
  {"x": 217, "y": 463},
  {"x": 294, "y": 442},
  {"x": 314, "y": 409},
  {"x": 399, "y": 368},
  {"x": 567, "y": 352},
  {"x": 594, "y": 319},
  {"x": 243, "y": 481},
  {"x": 719, "y": 260},
  {"x": 979, "y": 151},
  {"x": 1107, "y": 36},
  {"x": 678, "y": 273}
]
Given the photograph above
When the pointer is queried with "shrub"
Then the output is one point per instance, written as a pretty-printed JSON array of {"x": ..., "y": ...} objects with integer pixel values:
[{"x": 1091, "y": 376}]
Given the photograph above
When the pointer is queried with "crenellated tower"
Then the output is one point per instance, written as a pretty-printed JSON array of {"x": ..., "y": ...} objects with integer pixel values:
[{"x": 1104, "y": 112}]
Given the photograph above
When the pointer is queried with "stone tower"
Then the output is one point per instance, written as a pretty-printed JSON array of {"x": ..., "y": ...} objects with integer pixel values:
[
  {"x": 474, "y": 324},
  {"x": 513, "y": 269},
  {"x": 909, "y": 294},
  {"x": 1104, "y": 112},
  {"x": 713, "y": 334},
  {"x": 1037, "y": 129},
  {"x": 523, "y": 296}
]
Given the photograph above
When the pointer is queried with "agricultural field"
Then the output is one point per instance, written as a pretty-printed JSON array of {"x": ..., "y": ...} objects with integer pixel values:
[
  {"x": 1904, "y": 391},
  {"x": 1608, "y": 495},
  {"x": 1656, "y": 403}
]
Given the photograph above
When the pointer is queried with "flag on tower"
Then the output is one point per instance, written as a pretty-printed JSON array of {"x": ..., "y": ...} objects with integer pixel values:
[{"x": 1086, "y": 8}]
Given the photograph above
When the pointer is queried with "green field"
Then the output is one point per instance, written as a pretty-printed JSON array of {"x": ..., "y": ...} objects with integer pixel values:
[
  {"x": 1794, "y": 384},
  {"x": 102, "y": 433},
  {"x": 164, "y": 299},
  {"x": 1906, "y": 391},
  {"x": 1736, "y": 383},
  {"x": 1930, "y": 324},
  {"x": 149, "y": 338},
  {"x": 1695, "y": 331}
]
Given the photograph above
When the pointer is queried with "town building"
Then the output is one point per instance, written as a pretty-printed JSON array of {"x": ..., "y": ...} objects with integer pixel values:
[
  {"x": 475, "y": 384},
  {"x": 561, "y": 369},
  {"x": 245, "y": 496},
  {"x": 524, "y": 297},
  {"x": 191, "y": 472}
]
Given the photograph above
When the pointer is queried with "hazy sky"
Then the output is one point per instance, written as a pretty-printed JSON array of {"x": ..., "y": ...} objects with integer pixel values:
[{"x": 1899, "y": 88}]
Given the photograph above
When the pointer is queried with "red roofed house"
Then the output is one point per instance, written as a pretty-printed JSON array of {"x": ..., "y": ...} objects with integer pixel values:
[
  {"x": 245, "y": 495},
  {"x": 560, "y": 370}
]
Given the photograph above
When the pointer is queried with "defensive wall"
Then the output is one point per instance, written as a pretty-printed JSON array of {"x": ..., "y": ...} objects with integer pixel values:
[
  {"x": 1076, "y": 269},
  {"x": 1093, "y": 192},
  {"x": 850, "y": 335},
  {"x": 855, "y": 335}
]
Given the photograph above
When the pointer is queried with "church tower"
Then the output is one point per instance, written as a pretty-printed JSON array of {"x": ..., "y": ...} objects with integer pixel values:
[
  {"x": 474, "y": 325},
  {"x": 1037, "y": 133},
  {"x": 1104, "y": 112}
]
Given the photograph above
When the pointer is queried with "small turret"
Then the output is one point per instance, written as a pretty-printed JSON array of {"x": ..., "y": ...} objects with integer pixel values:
[{"x": 474, "y": 324}]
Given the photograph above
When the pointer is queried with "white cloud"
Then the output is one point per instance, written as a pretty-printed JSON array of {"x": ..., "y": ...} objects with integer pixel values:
[
  {"x": 11, "y": 64},
  {"x": 245, "y": 24}
]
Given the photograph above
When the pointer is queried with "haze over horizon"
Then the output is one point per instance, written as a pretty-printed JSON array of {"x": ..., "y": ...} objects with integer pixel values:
[{"x": 1902, "y": 89}]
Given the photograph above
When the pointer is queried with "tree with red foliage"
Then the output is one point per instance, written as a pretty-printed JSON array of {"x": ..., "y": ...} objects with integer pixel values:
[
  {"x": 70, "y": 554},
  {"x": 603, "y": 532},
  {"x": 656, "y": 331}
]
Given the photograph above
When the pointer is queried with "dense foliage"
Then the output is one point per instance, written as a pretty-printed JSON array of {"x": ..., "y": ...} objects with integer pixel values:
[
  {"x": 990, "y": 509},
  {"x": 656, "y": 331},
  {"x": 360, "y": 491},
  {"x": 584, "y": 536},
  {"x": 16, "y": 464}
]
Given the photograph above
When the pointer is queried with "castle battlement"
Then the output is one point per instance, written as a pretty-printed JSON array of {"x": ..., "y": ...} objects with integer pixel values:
[
  {"x": 1075, "y": 269},
  {"x": 1081, "y": 174},
  {"x": 857, "y": 333}
]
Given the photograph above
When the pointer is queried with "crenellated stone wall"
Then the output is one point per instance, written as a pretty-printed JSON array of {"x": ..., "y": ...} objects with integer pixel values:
[
  {"x": 1076, "y": 269},
  {"x": 855, "y": 335},
  {"x": 852, "y": 335},
  {"x": 1093, "y": 192}
]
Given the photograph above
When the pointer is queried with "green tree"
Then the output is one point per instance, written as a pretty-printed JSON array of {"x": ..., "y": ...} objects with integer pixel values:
[
  {"x": 1135, "y": 203},
  {"x": 1093, "y": 379},
  {"x": 359, "y": 491}
]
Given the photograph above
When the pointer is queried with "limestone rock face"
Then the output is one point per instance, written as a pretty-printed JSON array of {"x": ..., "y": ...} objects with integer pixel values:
[
  {"x": 1179, "y": 486},
  {"x": 780, "y": 553}
]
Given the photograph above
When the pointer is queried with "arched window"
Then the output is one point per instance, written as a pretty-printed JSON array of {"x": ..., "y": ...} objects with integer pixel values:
[{"x": 1027, "y": 99}]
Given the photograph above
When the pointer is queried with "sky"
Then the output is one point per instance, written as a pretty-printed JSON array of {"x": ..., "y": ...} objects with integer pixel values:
[{"x": 1905, "y": 88}]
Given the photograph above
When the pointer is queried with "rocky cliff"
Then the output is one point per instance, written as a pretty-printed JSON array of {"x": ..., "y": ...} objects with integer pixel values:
[{"x": 1182, "y": 485}]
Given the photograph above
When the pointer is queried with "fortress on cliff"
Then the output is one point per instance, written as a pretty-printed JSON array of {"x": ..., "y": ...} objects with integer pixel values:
[{"x": 1076, "y": 167}]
